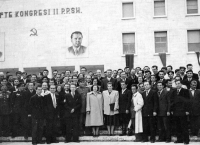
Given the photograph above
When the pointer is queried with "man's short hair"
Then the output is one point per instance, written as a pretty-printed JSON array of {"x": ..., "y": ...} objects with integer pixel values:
[
  {"x": 34, "y": 75},
  {"x": 189, "y": 64},
  {"x": 81, "y": 80},
  {"x": 120, "y": 69},
  {"x": 160, "y": 82},
  {"x": 123, "y": 82},
  {"x": 155, "y": 66},
  {"x": 126, "y": 67},
  {"x": 76, "y": 32},
  {"x": 30, "y": 83},
  {"x": 24, "y": 73},
  {"x": 176, "y": 70},
  {"x": 18, "y": 72},
  {"x": 109, "y": 83},
  {"x": 45, "y": 70},
  {"x": 164, "y": 67},
  {"x": 178, "y": 81},
  {"x": 147, "y": 82},
  {"x": 142, "y": 71},
  {"x": 72, "y": 84},
  {"x": 167, "y": 80},
  {"x": 69, "y": 71},
  {"x": 38, "y": 86},
  {"x": 109, "y": 70},
  {"x": 55, "y": 70},
  {"x": 134, "y": 85},
  {"x": 170, "y": 72},
  {"x": 170, "y": 67},
  {"x": 84, "y": 68},
  {"x": 189, "y": 71},
  {"x": 182, "y": 67},
  {"x": 160, "y": 72},
  {"x": 148, "y": 72}
]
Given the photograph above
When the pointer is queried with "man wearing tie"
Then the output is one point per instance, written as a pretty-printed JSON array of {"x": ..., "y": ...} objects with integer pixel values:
[
  {"x": 149, "y": 111},
  {"x": 51, "y": 114},
  {"x": 180, "y": 111},
  {"x": 72, "y": 113},
  {"x": 189, "y": 78},
  {"x": 194, "y": 108}
]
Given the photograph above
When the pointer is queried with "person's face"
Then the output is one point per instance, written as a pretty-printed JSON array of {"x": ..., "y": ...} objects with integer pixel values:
[
  {"x": 75, "y": 73},
  {"x": 83, "y": 71},
  {"x": 95, "y": 88},
  {"x": 134, "y": 90},
  {"x": 66, "y": 79},
  {"x": 88, "y": 79},
  {"x": 189, "y": 67},
  {"x": 39, "y": 90},
  {"x": 24, "y": 75},
  {"x": 45, "y": 73},
  {"x": 58, "y": 77},
  {"x": 140, "y": 80},
  {"x": 99, "y": 73},
  {"x": 160, "y": 86},
  {"x": 66, "y": 87},
  {"x": 53, "y": 89},
  {"x": 169, "y": 69},
  {"x": 67, "y": 73},
  {"x": 147, "y": 75},
  {"x": 123, "y": 75},
  {"x": 33, "y": 78},
  {"x": 119, "y": 72},
  {"x": 44, "y": 80},
  {"x": 109, "y": 87},
  {"x": 127, "y": 70},
  {"x": 177, "y": 78},
  {"x": 147, "y": 86},
  {"x": 3, "y": 88},
  {"x": 165, "y": 71},
  {"x": 142, "y": 87},
  {"x": 140, "y": 73},
  {"x": 51, "y": 82},
  {"x": 80, "y": 76},
  {"x": 30, "y": 86},
  {"x": 59, "y": 88},
  {"x": 72, "y": 88},
  {"x": 91, "y": 74},
  {"x": 95, "y": 82},
  {"x": 76, "y": 40},
  {"x": 82, "y": 84},
  {"x": 161, "y": 75},
  {"x": 153, "y": 78},
  {"x": 182, "y": 71},
  {"x": 155, "y": 70},
  {"x": 55, "y": 73},
  {"x": 193, "y": 85},
  {"x": 44, "y": 86},
  {"x": 4, "y": 82},
  {"x": 70, "y": 79},
  {"x": 171, "y": 75},
  {"x": 10, "y": 79},
  {"x": 75, "y": 79},
  {"x": 109, "y": 74},
  {"x": 146, "y": 68},
  {"x": 169, "y": 84},
  {"x": 123, "y": 85},
  {"x": 1, "y": 77},
  {"x": 178, "y": 85},
  {"x": 114, "y": 74},
  {"x": 19, "y": 76},
  {"x": 132, "y": 72},
  {"x": 189, "y": 74},
  {"x": 178, "y": 73},
  {"x": 16, "y": 82}
]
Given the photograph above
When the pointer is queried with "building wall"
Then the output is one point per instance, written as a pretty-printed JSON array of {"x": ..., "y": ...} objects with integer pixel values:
[{"x": 105, "y": 28}]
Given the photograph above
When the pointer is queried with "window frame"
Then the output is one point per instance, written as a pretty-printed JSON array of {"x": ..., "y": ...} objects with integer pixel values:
[
  {"x": 166, "y": 12},
  {"x": 192, "y": 29},
  {"x": 127, "y": 1},
  {"x": 196, "y": 14},
  {"x": 154, "y": 43}
]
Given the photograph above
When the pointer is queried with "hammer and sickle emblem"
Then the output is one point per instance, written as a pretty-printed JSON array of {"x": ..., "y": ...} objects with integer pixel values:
[{"x": 34, "y": 32}]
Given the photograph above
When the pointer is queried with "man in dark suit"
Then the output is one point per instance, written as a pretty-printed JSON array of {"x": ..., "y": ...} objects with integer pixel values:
[
  {"x": 180, "y": 110},
  {"x": 149, "y": 111},
  {"x": 99, "y": 77},
  {"x": 132, "y": 79},
  {"x": 58, "y": 80},
  {"x": 194, "y": 108},
  {"x": 189, "y": 78},
  {"x": 108, "y": 79},
  {"x": 153, "y": 82},
  {"x": 123, "y": 78},
  {"x": 124, "y": 106},
  {"x": 72, "y": 114},
  {"x": 190, "y": 67},
  {"x": 163, "y": 113},
  {"x": 37, "y": 114},
  {"x": 76, "y": 39},
  {"x": 51, "y": 102}
]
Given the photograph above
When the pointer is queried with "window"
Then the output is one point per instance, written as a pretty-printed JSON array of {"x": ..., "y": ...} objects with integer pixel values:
[
  {"x": 127, "y": 10},
  {"x": 160, "y": 42},
  {"x": 34, "y": 70},
  {"x": 2, "y": 46},
  {"x": 93, "y": 68},
  {"x": 192, "y": 6},
  {"x": 159, "y": 8},
  {"x": 61, "y": 69},
  {"x": 128, "y": 43},
  {"x": 12, "y": 71},
  {"x": 194, "y": 40}
]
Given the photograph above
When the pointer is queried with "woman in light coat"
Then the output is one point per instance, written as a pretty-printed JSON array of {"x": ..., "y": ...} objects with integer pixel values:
[
  {"x": 136, "y": 111},
  {"x": 94, "y": 109},
  {"x": 111, "y": 107}
]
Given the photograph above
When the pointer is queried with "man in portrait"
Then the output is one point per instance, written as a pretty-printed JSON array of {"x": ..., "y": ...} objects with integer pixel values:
[{"x": 77, "y": 49}]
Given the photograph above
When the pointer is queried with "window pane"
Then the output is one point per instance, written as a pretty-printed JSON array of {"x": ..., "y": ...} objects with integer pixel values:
[
  {"x": 159, "y": 8},
  {"x": 127, "y": 9},
  {"x": 160, "y": 42},
  {"x": 192, "y": 6},
  {"x": 194, "y": 40},
  {"x": 129, "y": 43}
]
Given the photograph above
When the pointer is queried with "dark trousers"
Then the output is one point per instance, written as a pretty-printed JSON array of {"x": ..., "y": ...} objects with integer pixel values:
[
  {"x": 51, "y": 129},
  {"x": 149, "y": 124},
  {"x": 82, "y": 121},
  {"x": 4, "y": 123},
  {"x": 195, "y": 125},
  {"x": 20, "y": 123},
  {"x": 182, "y": 129},
  {"x": 72, "y": 129},
  {"x": 124, "y": 120},
  {"x": 37, "y": 130},
  {"x": 164, "y": 127}
]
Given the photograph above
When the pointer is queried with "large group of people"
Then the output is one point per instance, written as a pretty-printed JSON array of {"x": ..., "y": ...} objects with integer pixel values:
[{"x": 144, "y": 102}]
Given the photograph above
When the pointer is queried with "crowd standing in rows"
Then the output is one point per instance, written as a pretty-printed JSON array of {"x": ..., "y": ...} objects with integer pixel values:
[{"x": 144, "y": 102}]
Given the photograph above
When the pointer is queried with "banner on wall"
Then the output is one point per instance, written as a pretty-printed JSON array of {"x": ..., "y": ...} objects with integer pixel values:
[{"x": 2, "y": 46}]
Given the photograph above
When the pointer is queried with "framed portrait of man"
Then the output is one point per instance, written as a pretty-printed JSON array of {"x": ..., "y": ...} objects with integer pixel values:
[
  {"x": 2, "y": 46},
  {"x": 77, "y": 44}
]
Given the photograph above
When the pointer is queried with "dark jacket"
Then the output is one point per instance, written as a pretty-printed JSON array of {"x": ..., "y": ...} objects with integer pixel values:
[
  {"x": 163, "y": 103},
  {"x": 18, "y": 102},
  {"x": 150, "y": 103},
  {"x": 124, "y": 101},
  {"x": 195, "y": 76},
  {"x": 50, "y": 111},
  {"x": 187, "y": 83},
  {"x": 28, "y": 96},
  {"x": 72, "y": 103},
  {"x": 195, "y": 103},
  {"x": 37, "y": 107},
  {"x": 132, "y": 81},
  {"x": 119, "y": 84},
  {"x": 104, "y": 84},
  {"x": 5, "y": 103},
  {"x": 180, "y": 102}
]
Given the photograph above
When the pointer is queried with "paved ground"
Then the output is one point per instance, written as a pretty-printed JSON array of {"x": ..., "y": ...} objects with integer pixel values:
[{"x": 99, "y": 143}]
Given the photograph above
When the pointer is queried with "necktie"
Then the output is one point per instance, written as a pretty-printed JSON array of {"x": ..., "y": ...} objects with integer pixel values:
[
  {"x": 159, "y": 93},
  {"x": 73, "y": 95},
  {"x": 177, "y": 92},
  {"x": 146, "y": 93},
  {"x": 54, "y": 101}
]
